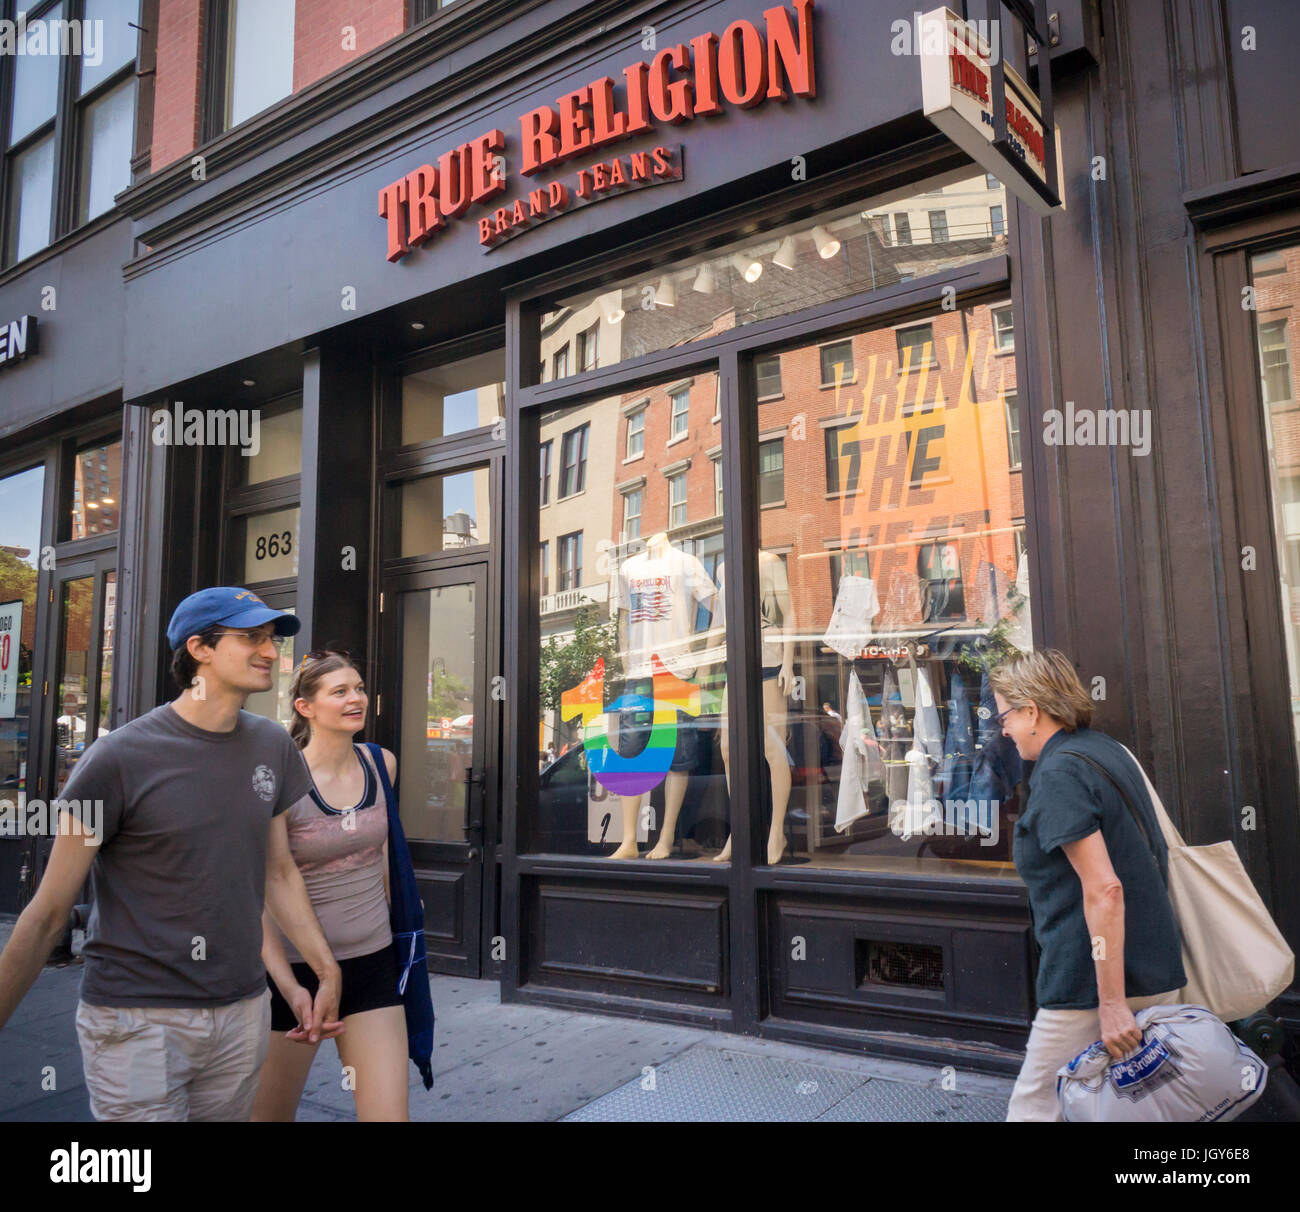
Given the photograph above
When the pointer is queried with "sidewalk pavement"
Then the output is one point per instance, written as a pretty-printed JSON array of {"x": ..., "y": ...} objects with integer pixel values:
[{"x": 495, "y": 1062}]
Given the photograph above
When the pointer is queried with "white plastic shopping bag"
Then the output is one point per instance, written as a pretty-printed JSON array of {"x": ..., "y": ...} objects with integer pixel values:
[{"x": 1189, "y": 1069}]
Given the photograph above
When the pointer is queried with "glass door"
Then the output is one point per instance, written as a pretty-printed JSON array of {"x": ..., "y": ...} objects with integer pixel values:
[
  {"x": 85, "y": 595},
  {"x": 435, "y": 625}
]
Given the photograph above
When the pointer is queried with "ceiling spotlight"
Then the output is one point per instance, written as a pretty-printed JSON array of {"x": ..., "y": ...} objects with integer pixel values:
[
  {"x": 827, "y": 245},
  {"x": 418, "y": 325},
  {"x": 747, "y": 267},
  {"x": 612, "y": 304},
  {"x": 250, "y": 382},
  {"x": 785, "y": 254},
  {"x": 666, "y": 295},
  {"x": 704, "y": 281}
]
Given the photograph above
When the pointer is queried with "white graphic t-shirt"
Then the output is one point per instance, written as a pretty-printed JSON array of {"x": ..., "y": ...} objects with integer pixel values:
[{"x": 660, "y": 595}]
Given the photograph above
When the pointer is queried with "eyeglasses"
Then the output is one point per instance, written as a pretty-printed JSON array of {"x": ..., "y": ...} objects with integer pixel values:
[
  {"x": 256, "y": 639},
  {"x": 1001, "y": 716}
]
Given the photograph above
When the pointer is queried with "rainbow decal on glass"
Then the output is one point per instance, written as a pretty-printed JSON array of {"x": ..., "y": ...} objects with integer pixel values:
[{"x": 646, "y": 770}]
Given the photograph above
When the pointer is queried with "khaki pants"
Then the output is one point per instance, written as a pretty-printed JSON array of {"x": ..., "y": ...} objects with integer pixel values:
[
  {"x": 1055, "y": 1039},
  {"x": 167, "y": 1063}
]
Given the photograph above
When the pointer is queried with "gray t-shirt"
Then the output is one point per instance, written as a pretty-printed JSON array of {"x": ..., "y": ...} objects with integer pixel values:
[{"x": 180, "y": 878}]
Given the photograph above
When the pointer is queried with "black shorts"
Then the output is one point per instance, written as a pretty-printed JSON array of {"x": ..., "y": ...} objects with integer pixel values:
[
  {"x": 634, "y": 728},
  {"x": 369, "y": 983}
]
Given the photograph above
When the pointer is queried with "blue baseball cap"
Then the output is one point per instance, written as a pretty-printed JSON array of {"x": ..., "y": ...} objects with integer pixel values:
[{"x": 229, "y": 606}]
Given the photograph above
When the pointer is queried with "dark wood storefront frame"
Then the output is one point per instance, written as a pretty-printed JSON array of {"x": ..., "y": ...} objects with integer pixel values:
[{"x": 747, "y": 884}]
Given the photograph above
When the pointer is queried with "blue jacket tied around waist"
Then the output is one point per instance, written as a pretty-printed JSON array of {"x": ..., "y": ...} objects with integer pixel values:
[{"x": 406, "y": 916}]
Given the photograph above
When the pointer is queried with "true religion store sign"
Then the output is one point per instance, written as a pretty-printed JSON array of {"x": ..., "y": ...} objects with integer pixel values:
[
  {"x": 743, "y": 67},
  {"x": 956, "y": 70}
]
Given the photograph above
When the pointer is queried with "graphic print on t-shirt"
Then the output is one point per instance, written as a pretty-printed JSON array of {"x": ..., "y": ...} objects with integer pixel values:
[{"x": 660, "y": 594}]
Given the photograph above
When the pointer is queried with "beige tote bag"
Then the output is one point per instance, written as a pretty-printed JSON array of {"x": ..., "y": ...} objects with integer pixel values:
[{"x": 1235, "y": 956}]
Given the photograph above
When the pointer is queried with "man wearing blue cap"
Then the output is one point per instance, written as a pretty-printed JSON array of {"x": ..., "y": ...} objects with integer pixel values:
[{"x": 180, "y": 813}]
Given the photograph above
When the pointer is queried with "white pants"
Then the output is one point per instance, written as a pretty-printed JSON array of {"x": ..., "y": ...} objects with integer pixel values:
[{"x": 1055, "y": 1039}]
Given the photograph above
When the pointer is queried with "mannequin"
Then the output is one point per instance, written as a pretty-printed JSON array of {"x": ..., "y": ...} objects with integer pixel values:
[
  {"x": 778, "y": 683},
  {"x": 656, "y": 593}
]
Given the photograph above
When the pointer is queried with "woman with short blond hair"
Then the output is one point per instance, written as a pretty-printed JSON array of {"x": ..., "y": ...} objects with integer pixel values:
[{"x": 1095, "y": 875}]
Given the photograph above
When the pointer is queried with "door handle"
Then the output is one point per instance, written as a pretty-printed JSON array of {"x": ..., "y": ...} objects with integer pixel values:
[{"x": 473, "y": 830}]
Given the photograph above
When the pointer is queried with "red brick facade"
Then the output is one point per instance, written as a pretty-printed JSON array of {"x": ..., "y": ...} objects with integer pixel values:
[
  {"x": 328, "y": 35},
  {"x": 176, "y": 92}
]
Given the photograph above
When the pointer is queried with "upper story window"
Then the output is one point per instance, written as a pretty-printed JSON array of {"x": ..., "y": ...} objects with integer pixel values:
[
  {"x": 72, "y": 122},
  {"x": 681, "y": 414},
  {"x": 573, "y": 461},
  {"x": 259, "y": 56}
]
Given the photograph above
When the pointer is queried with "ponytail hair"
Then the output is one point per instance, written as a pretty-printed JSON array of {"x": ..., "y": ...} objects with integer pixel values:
[{"x": 306, "y": 681}]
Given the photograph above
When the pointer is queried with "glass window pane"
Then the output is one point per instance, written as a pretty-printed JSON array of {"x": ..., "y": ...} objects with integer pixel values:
[
  {"x": 31, "y": 193},
  {"x": 21, "y": 497},
  {"x": 627, "y": 631},
  {"x": 106, "y": 654},
  {"x": 451, "y": 399},
  {"x": 97, "y": 491},
  {"x": 74, "y": 677},
  {"x": 438, "y": 675},
  {"x": 279, "y": 448},
  {"x": 107, "y": 137},
  {"x": 111, "y": 23},
  {"x": 1276, "y": 277},
  {"x": 845, "y": 251},
  {"x": 36, "y": 78},
  {"x": 891, "y": 579},
  {"x": 441, "y": 513},
  {"x": 276, "y": 703},
  {"x": 270, "y": 545},
  {"x": 260, "y": 55}
]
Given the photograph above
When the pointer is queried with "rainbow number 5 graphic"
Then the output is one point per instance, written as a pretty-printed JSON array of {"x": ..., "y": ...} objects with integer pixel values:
[{"x": 639, "y": 774}]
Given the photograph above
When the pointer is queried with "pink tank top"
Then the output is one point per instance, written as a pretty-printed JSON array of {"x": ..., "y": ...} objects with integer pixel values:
[{"x": 341, "y": 857}]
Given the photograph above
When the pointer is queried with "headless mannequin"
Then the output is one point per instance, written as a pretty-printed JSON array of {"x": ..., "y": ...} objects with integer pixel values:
[
  {"x": 775, "y": 693},
  {"x": 657, "y": 546}
]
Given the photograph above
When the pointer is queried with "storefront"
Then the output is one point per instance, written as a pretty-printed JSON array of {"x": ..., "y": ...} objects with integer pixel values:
[{"x": 654, "y": 397}]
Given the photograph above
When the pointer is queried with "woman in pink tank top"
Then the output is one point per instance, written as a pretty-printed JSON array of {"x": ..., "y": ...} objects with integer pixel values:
[{"x": 338, "y": 834}]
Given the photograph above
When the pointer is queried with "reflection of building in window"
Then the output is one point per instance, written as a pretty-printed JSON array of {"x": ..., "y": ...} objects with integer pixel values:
[
  {"x": 568, "y": 570},
  {"x": 839, "y": 354},
  {"x": 677, "y": 499},
  {"x": 902, "y": 229},
  {"x": 560, "y": 362},
  {"x": 938, "y": 226},
  {"x": 842, "y": 449},
  {"x": 717, "y": 487},
  {"x": 768, "y": 371},
  {"x": 573, "y": 461},
  {"x": 771, "y": 472},
  {"x": 588, "y": 343},
  {"x": 1275, "y": 362},
  {"x": 632, "y": 514},
  {"x": 915, "y": 345},
  {"x": 544, "y": 564},
  {"x": 1013, "y": 429},
  {"x": 636, "y": 435},
  {"x": 991, "y": 181},
  {"x": 681, "y": 413},
  {"x": 544, "y": 462},
  {"x": 996, "y": 221},
  {"x": 1004, "y": 328}
]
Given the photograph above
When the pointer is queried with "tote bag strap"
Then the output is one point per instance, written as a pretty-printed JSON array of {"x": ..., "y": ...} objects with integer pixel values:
[
  {"x": 390, "y": 796},
  {"x": 1173, "y": 838},
  {"x": 1110, "y": 778}
]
